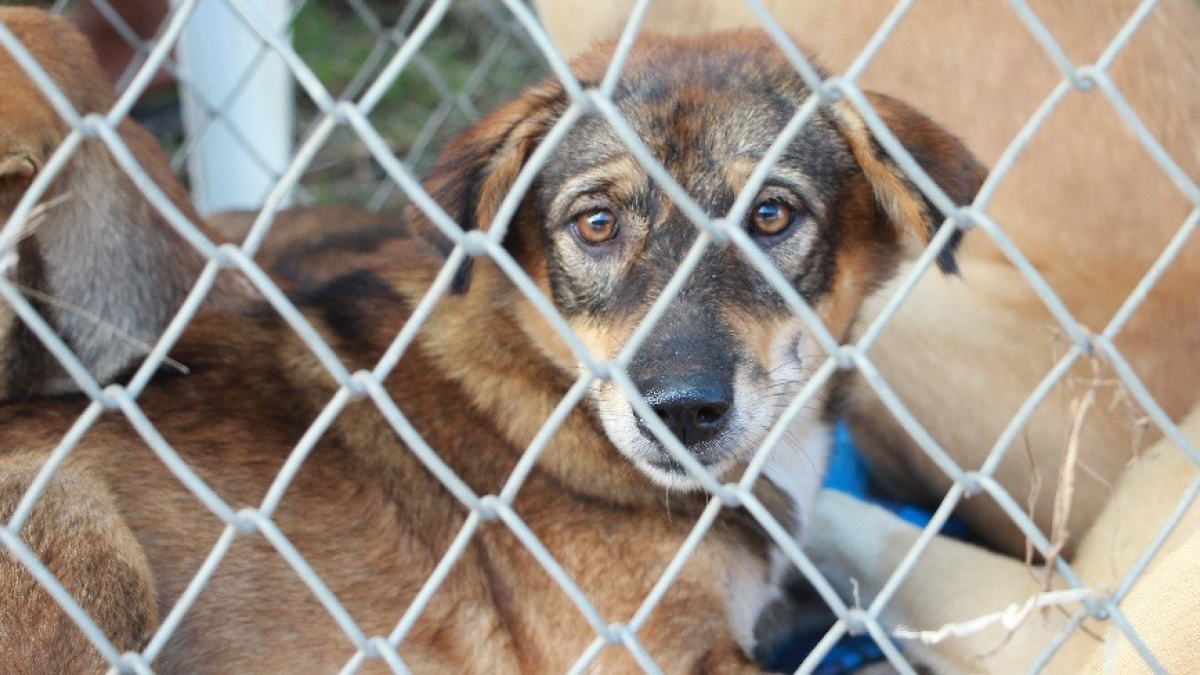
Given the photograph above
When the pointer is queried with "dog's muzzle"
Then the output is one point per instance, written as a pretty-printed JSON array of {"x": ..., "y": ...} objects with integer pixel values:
[
  {"x": 690, "y": 387},
  {"x": 686, "y": 370}
]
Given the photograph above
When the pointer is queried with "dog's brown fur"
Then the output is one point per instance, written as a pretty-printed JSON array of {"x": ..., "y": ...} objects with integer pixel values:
[
  {"x": 1091, "y": 210},
  {"x": 480, "y": 380},
  {"x": 309, "y": 246}
]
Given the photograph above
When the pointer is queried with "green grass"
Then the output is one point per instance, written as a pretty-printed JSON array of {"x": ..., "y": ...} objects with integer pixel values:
[{"x": 337, "y": 45}]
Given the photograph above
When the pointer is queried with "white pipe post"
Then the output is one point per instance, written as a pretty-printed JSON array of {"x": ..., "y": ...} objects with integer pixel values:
[{"x": 237, "y": 104}]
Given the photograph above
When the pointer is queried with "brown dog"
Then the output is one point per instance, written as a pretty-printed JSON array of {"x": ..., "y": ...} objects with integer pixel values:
[
  {"x": 307, "y": 247},
  {"x": 606, "y": 498},
  {"x": 1091, "y": 211}
]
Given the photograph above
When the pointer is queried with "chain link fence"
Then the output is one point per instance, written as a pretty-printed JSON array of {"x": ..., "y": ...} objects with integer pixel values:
[{"x": 372, "y": 111}]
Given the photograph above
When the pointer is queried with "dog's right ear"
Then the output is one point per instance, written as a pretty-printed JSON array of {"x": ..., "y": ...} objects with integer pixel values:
[
  {"x": 942, "y": 155},
  {"x": 476, "y": 171}
]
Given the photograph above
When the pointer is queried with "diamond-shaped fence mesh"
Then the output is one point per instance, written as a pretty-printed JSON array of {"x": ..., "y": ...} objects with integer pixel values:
[{"x": 379, "y": 88}]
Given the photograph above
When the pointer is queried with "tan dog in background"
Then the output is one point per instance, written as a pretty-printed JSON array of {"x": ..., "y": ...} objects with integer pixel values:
[
  {"x": 74, "y": 254},
  {"x": 125, "y": 537},
  {"x": 1091, "y": 211}
]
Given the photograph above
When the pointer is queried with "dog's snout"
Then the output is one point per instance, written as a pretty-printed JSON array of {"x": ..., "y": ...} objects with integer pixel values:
[
  {"x": 693, "y": 414},
  {"x": 686, "y": 371}
]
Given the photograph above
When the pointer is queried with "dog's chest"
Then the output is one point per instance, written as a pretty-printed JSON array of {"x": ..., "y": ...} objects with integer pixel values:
[
  {"x": 751, "y": 587},
  {"x": 796, "y": 467}
]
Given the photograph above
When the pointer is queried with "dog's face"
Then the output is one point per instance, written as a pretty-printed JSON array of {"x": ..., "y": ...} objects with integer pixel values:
[
  {"x": 604, "y": 239},
  {"x": 728, "y": 354}
]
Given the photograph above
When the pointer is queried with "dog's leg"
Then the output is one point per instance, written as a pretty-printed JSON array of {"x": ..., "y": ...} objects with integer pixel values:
[
  {"x": 678, "y": 642},
  {"x": 78, "y": 535},
  {"x": 956, "y": 583},
  {"x": 859, "y": 545}
]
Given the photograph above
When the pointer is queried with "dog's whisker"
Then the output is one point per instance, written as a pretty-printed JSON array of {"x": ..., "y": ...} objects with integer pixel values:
[
  {"x": 40, "y": 214},
  {"x": 101, "y": 323}
]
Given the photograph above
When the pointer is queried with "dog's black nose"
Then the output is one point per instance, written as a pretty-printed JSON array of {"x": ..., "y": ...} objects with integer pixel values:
[{"x": 694, "y": 414}]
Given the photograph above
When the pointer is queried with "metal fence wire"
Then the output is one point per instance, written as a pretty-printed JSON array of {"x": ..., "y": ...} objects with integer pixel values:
[{"x": 337, "y": 129}]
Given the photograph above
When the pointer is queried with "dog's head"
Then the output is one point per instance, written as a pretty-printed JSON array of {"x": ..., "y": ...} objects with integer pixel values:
[{"x": 603, "y": 239}]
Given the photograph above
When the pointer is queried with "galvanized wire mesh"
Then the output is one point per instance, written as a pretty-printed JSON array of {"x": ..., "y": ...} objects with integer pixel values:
[{"x": 341, "y": 126}]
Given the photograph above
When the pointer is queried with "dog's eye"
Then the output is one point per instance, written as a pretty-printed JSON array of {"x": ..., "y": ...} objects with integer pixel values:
[
  {"x": 596, "y": 226},
  {"x": 772, "y": 218}
]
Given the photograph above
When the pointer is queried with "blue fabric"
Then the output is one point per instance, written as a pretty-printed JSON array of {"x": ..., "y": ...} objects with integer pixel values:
[
  {"x": 848, "y": 473},
  {"x": 848, "y": 655}
]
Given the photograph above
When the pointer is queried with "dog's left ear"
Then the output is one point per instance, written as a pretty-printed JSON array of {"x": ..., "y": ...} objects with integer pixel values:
[
  {"x": 476, "y": 171},
  {"x": 942, "y": 155}
]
